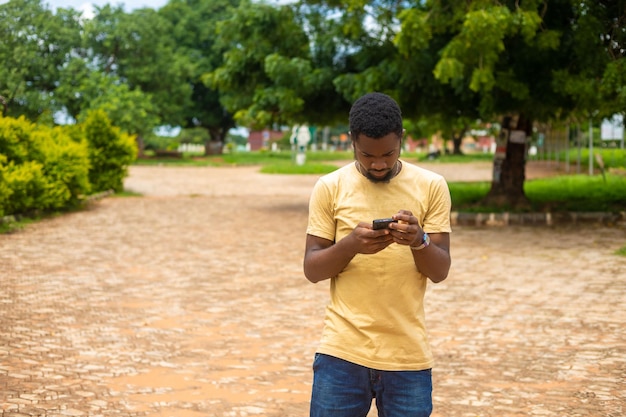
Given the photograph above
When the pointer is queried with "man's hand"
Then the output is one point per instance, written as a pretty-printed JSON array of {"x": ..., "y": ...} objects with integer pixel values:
[
  {"x": 408, "y": 230},
  {"x": 367, "y": 240}
]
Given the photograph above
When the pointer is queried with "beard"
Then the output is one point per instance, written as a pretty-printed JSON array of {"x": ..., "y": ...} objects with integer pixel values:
[
  {"x": 385, "y": 179},
  {"x": 367, "y": 173}
]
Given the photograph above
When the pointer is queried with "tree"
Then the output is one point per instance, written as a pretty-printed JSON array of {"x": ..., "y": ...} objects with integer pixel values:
[
  {"x": 82, "y": 89},
  {"x": 525, "y": 63},
  {"x": 194, "y": 31},
  {"x": 371, "y": 55},
  {"x": 137, "y": 49},
  {"x": 596, "y": 79},
  {"x": 35, "y": 45},
  {"x": 270, "y": 76}
]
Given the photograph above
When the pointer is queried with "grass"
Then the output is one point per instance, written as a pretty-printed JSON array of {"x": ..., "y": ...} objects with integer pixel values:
[
  {"x": 309, "y": 168},
  {"x": 575, "y": 193}
]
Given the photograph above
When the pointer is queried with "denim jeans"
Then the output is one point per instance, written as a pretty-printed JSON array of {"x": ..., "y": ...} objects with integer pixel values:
[{"x": 344, "y": 389}]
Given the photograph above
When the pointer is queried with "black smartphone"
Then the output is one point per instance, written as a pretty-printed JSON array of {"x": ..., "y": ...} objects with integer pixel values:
[{"x": 382, "y": 223}]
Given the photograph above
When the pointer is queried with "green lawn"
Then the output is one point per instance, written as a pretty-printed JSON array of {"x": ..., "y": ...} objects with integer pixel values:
[{"x": 576, "y": 193}]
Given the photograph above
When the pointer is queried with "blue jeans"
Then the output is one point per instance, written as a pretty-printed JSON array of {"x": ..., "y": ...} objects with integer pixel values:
[{"x": 344, "y": 389}]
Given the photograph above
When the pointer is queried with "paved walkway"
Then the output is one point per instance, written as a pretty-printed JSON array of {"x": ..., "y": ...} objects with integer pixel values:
[{"x": 190, "y": 301}]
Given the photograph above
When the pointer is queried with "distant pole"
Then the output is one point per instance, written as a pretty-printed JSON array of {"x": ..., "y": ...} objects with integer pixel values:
[{"x": 590, "y": 146}]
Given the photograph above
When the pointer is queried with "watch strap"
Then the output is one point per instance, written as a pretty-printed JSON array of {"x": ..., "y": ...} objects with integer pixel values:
[{"x": 424, "y": 244}]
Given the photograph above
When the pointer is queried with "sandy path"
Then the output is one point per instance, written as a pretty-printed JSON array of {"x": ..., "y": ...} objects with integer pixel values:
[{"x": 190, "y": 301}]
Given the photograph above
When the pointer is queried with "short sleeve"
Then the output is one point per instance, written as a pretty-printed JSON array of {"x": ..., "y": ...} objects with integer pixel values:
[
  {"x": 321, "y": 212},
  {"x": 437, "y": 219}
]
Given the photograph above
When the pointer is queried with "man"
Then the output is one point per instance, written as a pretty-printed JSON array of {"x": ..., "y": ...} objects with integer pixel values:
[{"x": 374, "y": 342}]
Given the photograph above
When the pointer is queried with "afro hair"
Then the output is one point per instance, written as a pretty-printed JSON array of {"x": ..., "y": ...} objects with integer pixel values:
[{"x": 375, "y": 115}]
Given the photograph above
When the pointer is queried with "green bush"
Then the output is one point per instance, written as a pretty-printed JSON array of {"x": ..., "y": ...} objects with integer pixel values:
[
  {"x": 110, "y": 152},
  {"x": 41, "y": 168},
  {"x": 66, "y": 165},
  {"x": 16, "y": 140},
  {"x": 30, "y": 190}
]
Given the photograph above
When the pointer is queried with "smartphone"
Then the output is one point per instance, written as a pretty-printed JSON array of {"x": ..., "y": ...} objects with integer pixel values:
[{"x": 382, "y": 223}]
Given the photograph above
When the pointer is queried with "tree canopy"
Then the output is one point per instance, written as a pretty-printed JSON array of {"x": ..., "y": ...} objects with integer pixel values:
[{"x": 213, "y": 63}]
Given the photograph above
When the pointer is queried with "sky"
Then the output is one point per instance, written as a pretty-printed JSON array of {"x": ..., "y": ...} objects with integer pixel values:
[{"x": 86, "y": 6}]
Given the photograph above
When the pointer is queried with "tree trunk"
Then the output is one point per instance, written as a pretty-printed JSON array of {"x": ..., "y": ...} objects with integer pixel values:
[
  {"x": 215, "y": 145},
  {"x": 141, "y": 147},
  {"x": 509, "y": 165},
  {"x": 457, "y": 141}
]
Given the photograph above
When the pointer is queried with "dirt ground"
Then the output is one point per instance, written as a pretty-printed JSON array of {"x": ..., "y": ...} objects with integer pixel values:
[{"x": 190, "y": 301}]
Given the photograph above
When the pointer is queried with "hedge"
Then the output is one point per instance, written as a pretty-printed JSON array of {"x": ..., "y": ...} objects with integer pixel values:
[{"x": 46, "y": 168}]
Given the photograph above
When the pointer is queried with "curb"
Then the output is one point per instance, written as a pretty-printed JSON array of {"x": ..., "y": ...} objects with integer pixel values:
[{"x": 537, "y": 219}]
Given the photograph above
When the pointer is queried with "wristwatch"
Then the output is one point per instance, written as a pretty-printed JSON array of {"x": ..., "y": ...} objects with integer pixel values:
[{"x": 425, "y": 243}]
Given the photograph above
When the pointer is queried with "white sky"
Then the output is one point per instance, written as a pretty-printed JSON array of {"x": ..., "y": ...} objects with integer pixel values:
[{"x": 86, "y": 6}]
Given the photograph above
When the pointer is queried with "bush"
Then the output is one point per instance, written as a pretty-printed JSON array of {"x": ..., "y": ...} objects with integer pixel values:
[
  {"x": 30, "y": 190},
  {"x": 17, "y": 143},
  {"x": 110, "y": 152},
  {"x": 66, "y": 165},
  {"x": 41, "y": 168}
]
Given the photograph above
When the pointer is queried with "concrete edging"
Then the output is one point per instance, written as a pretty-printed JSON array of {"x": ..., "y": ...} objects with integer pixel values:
[{"x": 536, "y": 219}]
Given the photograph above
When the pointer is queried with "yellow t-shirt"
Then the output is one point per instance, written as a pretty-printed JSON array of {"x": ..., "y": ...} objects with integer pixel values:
[{"x": 375, "y": 317}]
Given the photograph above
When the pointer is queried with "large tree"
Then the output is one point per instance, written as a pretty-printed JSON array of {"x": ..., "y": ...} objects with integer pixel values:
[
  {"x": 456, "y": 60},
  {"x": 274, "y": 72},
  {"x": 194, "y": 31},
  {"x": 523, "y": 60},
  {"x": 35, "y": 44},
  {"x": 595, "y": 80},
  {"x": 82, "y": 89},
  {"x": 139, "y": 50},
  {"x": 360, "y": 42}
]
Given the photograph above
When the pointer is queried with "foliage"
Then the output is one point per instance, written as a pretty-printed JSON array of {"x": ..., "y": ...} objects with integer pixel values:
[
  {"x": 28, "y": 187},
  {"x": 269, "y": 75},
  {"x": 193, "y": 135},
  {"x": 579, "y": 193},
  {"x": 594, "y": 78},
  {"x": 110, "y": 152},
  {"x": 199, "y": 63},
  {"x": 307, "y": 168},
  {"x": 502, "y": 53},
  {"x": 35, "y": 45},
  {"x": 138, "y": 49},
  {"x": 194, "y": 31},
  {"x": 66, "y": 165},
  {"x": 612, "y": 158},
  {"x": 575, "y": 193},
  {"x": 83, "y": 89},
  {"x": 41, "y": 168},
  {"x": 5, "y": 190}
]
